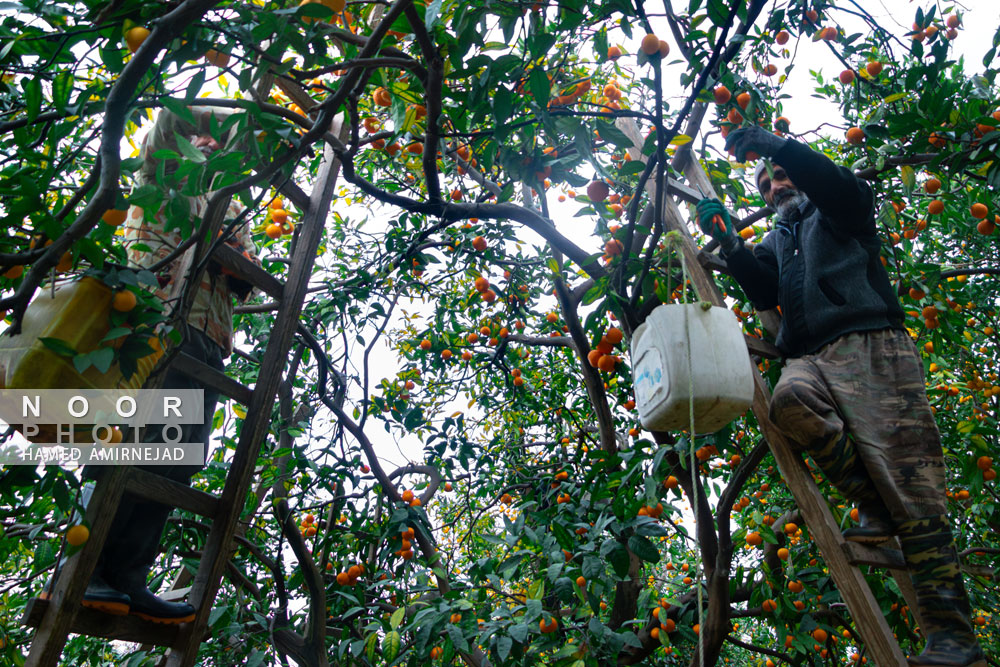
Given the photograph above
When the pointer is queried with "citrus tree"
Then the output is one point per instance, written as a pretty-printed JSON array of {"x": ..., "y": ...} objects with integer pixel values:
[{"x": 497, "y": 234}]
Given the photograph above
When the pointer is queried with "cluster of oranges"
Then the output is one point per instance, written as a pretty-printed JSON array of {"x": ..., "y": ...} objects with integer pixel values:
[
  {"x": 652, "y": 511},
  {"x": 308, "y": 526},
  {"x": 665, "y": 624},
  {"x": 410, "y": 498},
  {"x": 405, "y": 550},
  {"x": 350, "y": 576},
  {"x": 483, "y": 286},
  {"x": 603, "y": 356},
  {"x": 280, "y": 223}
]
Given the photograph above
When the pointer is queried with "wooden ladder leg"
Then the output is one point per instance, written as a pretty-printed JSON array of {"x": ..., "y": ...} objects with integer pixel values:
[
  {"x": 184, "y": 651},
  {"x": 868, "y": 617},
  {"x": 65, "y": 597}
]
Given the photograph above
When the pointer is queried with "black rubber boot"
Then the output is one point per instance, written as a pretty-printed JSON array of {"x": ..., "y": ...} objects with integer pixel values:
[
  {"x": 932, "y": 559},
  {"x": 129, "y": 555},
  {"x": 146, "y": 605},
  {"x": 875, "y": 525}
]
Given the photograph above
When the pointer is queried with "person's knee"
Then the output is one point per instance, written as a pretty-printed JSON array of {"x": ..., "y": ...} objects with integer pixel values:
[{"x": 791, "y": 404}]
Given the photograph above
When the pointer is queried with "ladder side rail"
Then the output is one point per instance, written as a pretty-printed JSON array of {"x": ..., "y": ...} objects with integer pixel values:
[
  {"x": 869, "y": 620},
  {"x": 67, "y": 593}
]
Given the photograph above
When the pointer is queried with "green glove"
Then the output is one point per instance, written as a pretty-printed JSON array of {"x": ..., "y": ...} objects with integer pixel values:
[
  {"x": 710, "y": 213},
  {"x": 714, "y": 220}
]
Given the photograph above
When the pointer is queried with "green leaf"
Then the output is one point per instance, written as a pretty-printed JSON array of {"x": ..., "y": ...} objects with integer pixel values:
[
  {"x": 432, "y": 14},
  {"x": 102, "y": 359},
  {"x": 62, "y": 88},
  {"x": 390, "y": 646},
  {"x": 538, "y": 82},
  {"x": 611, "y": 133},
  {"x": 908, "y": 175},
  {"x": 503, "y": 104},
  {"x": 601, "y": 44},
  {"x": 397, "y": 618},
  {"x": 644, "y": 548},
  {"x": 504, "y": 645},
  {"x": 188, "y": 150},
  {"x": 32, "y": 96},
  {"x": 718, "y": 12},
  {"x": 58, "y": 346},
  {"x": 371, "y": 645}
]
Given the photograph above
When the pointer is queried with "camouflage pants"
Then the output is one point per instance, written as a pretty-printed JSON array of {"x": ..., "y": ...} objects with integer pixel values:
[{"x": 863, "y": 397}]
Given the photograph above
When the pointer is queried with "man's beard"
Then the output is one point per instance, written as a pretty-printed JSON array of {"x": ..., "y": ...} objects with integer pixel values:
[{"x": 787, "y": 202}]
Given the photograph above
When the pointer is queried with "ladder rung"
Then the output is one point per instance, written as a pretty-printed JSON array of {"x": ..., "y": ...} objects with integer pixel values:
[
  {"x": 712, "y": 262},
  {"x": 761, "y": 347},
  {"x": 685, "y": 192},
  {"x": 861, "y": 554},
  {"x": 211, "y": 377},
  {"x": 151, "y": 486},
  {"x": 95, "y": 623},
  {"x": 244, "y": 269},
  {"x": 289, "y": 189}
]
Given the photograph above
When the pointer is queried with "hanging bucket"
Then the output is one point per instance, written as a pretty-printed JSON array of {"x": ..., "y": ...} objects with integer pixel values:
[
  {"x": 721, "y": 377},
  {"x": 78, "y": 315}
]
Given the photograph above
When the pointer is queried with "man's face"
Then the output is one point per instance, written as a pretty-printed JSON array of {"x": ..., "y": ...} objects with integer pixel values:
[
  {"x": 778, "y": 190},
  {"x": 206, "y": 143}
]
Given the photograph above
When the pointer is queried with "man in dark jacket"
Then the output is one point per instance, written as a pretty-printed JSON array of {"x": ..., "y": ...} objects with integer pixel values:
[{"x": 852, "y": 391}]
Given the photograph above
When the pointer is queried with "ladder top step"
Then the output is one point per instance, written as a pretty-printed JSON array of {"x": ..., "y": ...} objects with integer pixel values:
[
  {"x": 861, "y": 554},
  {"x": 95, "y": 623},
  {"x": 244, "y": 269},
  {"x": 212, "y": 378}
]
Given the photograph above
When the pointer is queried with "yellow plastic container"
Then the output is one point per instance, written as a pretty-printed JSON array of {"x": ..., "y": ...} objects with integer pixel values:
[{"x": 77, "y": 314}]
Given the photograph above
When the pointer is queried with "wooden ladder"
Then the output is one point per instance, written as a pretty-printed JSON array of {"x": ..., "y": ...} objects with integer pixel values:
[
  {"x": 842, "y": 558},
  {"x": 61, "y": 613}
]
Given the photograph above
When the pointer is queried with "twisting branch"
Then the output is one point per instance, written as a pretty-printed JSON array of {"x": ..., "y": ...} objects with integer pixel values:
[{"x": 433, "y": 84}]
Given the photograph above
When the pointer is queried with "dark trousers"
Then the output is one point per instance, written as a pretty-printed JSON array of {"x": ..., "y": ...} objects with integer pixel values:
[{"x": 138, "y": 525}]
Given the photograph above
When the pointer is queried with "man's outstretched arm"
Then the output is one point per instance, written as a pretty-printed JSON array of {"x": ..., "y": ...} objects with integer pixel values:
[{"x": 757, "y": 271}]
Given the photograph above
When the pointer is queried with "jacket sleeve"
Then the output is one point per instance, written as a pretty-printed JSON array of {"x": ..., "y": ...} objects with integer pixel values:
[
  {"x": 757, "y": 274},
  {"x": 843, "y": 198}
]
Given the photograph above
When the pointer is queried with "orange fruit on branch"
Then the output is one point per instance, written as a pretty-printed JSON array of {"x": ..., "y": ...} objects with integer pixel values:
[
  {"x": 650, "y": 44},
  {"x": 77, "y": 535},
  {"x": 123, "y": 301},
  {"x": 597, "y": 191},
  {"x": 114, "y": 217},
  {"x": 135, "y": 37},
  {"x": 722, "y": 95}
]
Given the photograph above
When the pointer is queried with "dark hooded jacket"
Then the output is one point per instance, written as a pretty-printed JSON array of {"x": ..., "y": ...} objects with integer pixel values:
[{"x": 821, "y": 264}]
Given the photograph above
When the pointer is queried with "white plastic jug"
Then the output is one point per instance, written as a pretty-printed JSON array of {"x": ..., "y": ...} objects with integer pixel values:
[{"x": 721, "y": 368}]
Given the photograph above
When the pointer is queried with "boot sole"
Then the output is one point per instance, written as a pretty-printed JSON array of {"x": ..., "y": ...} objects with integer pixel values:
[
  {"x": 162, "y": 620},
  {"x": 112, "y": 608}
]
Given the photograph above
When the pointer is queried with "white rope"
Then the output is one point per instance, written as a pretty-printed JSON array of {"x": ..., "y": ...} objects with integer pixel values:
[{"x": 693, "y": 455}]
